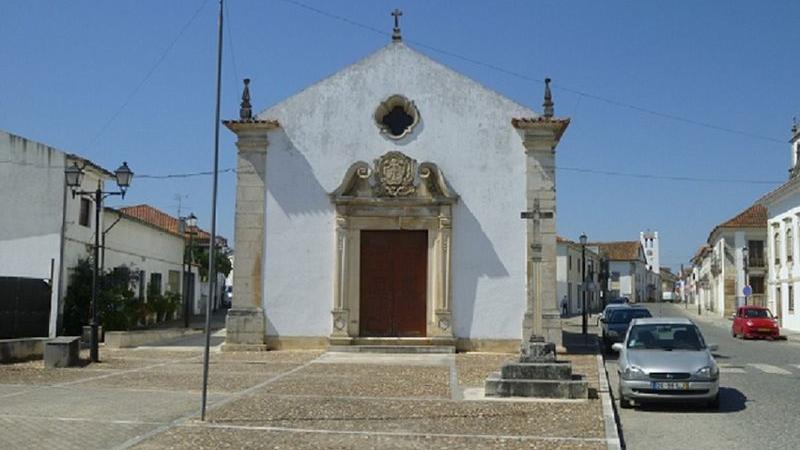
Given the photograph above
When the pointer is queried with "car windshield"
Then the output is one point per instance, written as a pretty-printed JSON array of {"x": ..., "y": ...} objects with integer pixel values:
[
  {"x": 626, "y": 315},
  {"x": 757, "y": 313},
  {"x": 668, "y": 336}
]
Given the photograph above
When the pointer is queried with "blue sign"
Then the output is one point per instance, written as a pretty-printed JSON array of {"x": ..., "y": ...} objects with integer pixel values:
[{"x": 747, "y": 291}]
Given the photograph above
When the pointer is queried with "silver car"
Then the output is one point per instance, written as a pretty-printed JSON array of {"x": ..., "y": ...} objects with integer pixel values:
[{"x": 666, "y": 359}]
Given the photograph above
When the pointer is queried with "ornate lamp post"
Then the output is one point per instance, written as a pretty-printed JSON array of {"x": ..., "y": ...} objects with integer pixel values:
[
  {"x": 187, "y": 225},
  {"x": 74, "y": 176},
  {"x": 585, "y": 320}
]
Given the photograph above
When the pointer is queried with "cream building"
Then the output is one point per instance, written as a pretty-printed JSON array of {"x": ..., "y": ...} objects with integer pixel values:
[
  {"x": 783, "y": 205},
  {"x": 383, "y": 205}
]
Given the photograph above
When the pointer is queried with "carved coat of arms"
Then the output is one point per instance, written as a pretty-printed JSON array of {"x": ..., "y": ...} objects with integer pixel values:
[{"x": 395, "y": 174}]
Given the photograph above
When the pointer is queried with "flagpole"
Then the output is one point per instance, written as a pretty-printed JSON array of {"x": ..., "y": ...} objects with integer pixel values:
[{"x": 212, "y": 267}]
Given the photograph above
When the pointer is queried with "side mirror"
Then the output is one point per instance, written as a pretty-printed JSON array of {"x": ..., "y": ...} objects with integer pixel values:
[
  {"x": 602, "y": 319},
  {"x": 617, "y": 347},
  {"x": 713, "y": 347}
]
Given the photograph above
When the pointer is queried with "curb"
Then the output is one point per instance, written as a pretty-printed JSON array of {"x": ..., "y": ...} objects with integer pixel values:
[{"x": 610, "y": 419}]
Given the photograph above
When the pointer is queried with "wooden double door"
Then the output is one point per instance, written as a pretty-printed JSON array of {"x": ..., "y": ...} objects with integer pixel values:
[{"x": 393, "y": 280}]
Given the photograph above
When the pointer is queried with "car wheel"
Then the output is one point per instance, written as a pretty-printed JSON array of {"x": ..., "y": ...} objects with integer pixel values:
[
  {"x": 713, "y": 404},
  {"x": 733, "y": 332}
]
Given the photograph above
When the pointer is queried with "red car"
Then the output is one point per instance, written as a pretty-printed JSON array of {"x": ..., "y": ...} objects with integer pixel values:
[{"x": 755, "y": 321}]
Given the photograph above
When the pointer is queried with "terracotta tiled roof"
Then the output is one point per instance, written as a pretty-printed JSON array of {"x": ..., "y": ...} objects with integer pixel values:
[
  {"x": 752, "y": 217},
  {"x": 699, "y": 253},
  {"x": 562, "y": 239},
  {"x": 160, "y": 219},
  {"x": 619, "y": 251}
]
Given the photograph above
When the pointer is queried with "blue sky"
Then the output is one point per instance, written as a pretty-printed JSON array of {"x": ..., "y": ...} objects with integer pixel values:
[{"x": 104, "y": 80}]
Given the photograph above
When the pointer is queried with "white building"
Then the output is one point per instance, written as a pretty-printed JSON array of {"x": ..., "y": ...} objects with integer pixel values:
[
  {"x": 383, "y": 203},
  {"x": 650, "y": 244},
  {"x": 44, "y": 230},
  {"x": 569, "y": 277},
  {"x": 783, "y": 205},
  {"x": 627, "y": 271}
]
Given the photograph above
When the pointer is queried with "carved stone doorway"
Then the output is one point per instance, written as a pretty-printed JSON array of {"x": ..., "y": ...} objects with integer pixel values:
[
  {"x": 393, "y": 284},
  {"x": 397, "y": 195}
]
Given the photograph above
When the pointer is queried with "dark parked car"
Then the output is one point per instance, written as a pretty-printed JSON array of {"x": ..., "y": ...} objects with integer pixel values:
[{"x": 615, "y": 324}]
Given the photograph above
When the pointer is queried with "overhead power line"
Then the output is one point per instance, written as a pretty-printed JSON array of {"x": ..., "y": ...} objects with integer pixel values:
[
  {"x": 610, "y": 173},
  {"x": 610, "y": 101},
  {"x": 147, "y": 76}
]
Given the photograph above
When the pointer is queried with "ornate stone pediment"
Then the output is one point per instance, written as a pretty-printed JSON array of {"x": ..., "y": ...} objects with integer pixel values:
[{"x": 394, "y": 177}]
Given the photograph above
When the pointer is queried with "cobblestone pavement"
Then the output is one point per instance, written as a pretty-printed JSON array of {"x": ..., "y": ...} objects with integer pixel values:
[{"x": 150, "y": 398}]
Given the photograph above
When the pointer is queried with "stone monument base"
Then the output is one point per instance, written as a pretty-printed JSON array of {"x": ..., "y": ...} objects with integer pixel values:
[
  {"x": 537, "y": 374},
  {"x": 245, "y": 330}
]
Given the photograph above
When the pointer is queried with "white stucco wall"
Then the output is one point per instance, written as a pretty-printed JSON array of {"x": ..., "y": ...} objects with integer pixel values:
[
  {"x": 31, "y": 198},
  {"x": 784, "y": 212},
  {"x": 139, "y": 246},
  {"x": 465, "y": 129}
]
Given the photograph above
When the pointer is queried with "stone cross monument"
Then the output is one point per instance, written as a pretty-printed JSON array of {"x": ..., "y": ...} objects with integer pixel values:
[{"x": 540, "y": 137}]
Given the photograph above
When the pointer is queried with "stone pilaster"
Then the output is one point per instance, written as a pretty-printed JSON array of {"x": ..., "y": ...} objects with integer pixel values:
[
  {"x": 246, "y": 322},
  {"x": 540, "y": 137}
]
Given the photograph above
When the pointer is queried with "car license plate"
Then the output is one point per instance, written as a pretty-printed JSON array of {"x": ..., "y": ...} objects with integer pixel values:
[
  {"x": 765, "y": 330},
  {"x": 669, "y": 386}
]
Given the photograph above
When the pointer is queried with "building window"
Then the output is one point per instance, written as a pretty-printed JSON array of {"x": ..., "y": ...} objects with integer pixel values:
[
  {"x": 614, "y": 276},
  {"x": 174, "y": 282},
  {"x": 790, "y": 292},
  {"x": 155, "y": 283},
  {"x": 86, "y": 213},
  {"x": 569, "y": 259},
  {"x": 776, "y": 248},
  {"x": 755, "y": 253},
  {"x": 757, "y": 283},
  {"x": 789, "y": 241}
]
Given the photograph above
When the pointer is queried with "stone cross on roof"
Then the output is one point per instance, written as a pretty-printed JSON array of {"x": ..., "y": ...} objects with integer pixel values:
[{"x": 396, "y": 31}]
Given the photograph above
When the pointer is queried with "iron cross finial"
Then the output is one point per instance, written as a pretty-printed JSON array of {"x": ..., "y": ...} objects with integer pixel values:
[{"x": 396, "y": 31}]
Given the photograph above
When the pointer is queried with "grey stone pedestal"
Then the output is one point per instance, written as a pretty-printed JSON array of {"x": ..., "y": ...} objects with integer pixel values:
[
  {"x": 537, "y": 374},
  {"x": 245, "y": 330}
]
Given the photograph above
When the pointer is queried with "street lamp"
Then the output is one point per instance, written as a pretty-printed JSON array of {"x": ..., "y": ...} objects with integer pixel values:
[
  {"x": 73, "y": 176},
  {"x": 583, "y": 240},
  {"x": 745, "y": 264},
  {"x": 187, "y": 225}
]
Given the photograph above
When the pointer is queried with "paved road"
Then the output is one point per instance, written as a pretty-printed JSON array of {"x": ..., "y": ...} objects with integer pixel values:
[{"x": 760, "y": 398}]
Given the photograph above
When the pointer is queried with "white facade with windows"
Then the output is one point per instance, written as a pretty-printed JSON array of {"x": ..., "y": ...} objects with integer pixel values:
[
  {"x": 783, "y": 206},
  {"x": 569, "y": 280}
]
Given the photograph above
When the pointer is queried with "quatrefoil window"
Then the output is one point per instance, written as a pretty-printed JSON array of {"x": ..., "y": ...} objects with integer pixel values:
[{"x": 396, "y": 116}]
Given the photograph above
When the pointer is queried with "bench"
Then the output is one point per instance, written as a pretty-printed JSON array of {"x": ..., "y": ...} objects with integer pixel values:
[{"x": 61, "y": 352}]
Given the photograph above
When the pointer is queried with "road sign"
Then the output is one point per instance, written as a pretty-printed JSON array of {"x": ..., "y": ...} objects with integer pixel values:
[{"x": 747, "y": 291}]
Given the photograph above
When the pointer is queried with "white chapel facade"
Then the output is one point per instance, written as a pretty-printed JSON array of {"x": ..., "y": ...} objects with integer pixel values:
[{"x": 383, "y": 203}]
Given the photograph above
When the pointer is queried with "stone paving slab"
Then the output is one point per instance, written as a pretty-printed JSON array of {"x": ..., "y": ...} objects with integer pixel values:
[
  {"x": 280, "y": 399},
  {"x": 174, "y": 379},
  {"x": 473, "y": 368},
  {"x": 90, "y": 402},
  {"x": 582, "y": 419},
  {"x": 213, "y": 438},
  {"x": 38, "y": 433}
]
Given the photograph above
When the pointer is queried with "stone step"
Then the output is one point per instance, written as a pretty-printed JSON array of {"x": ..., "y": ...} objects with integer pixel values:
[
  {"x": 410, "y": 349},
  {"x": 577, "y": 388},
  {"x": 537, "y": 371}
]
